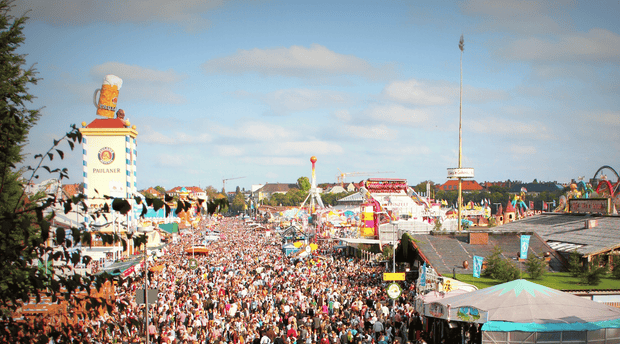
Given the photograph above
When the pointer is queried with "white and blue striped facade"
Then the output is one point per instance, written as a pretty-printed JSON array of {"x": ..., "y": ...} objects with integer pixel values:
[{"x": 109, "y": 166}]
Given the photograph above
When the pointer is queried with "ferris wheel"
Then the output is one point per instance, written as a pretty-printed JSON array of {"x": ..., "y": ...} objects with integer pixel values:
[{"x": 606, "y": 180}]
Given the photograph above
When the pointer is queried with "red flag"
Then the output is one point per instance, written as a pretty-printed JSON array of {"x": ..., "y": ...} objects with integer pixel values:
[
  {"x": 544, "y": 205},
  {"x": 531, "y": 204}
]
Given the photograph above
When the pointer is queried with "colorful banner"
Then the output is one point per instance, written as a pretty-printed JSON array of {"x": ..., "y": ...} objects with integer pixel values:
[
  {"x": 525, "y": 243},
  {"x": 478, "y": 266},
  {"x": 423, "y": 275}
]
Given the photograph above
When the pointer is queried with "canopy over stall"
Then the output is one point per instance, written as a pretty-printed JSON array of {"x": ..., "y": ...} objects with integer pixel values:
[{"x": 509, "y": 310}]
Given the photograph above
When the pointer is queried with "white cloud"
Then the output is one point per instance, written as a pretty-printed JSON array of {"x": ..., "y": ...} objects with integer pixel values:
[
  {"x": 483, "y": 95},
  {"x": 597, "y": 45},
  {"x": 175, "y": 160},
  {"x": 526, "y": 17},
  {"x": 419, "y": 93},
  {"x": 304, "y": 147},
  {"x": 283, "y": 102},
  {"x": 228, "y": 150},
  {"x": 142, "y": 83},
  {"x": 176, "y": 138},
  {"x": 433, "y": 93},
  {"x": 271, "y": 175},
  {"x": 257, "y": 131},
  {"x": 405, "y": 151},
  {"x": 296, "y": 61},
  {"x": 509, "y": 128},
  {"x": 398, "y": 114},
  {"x": 520, "y": 151},
  {"x": 343, "y": 115},
  {"x": 136, "y": 73},
  {"x": 277, "y": 161},
  {"x": 608, "y": 118},
  {"x": 376, "y": 132},
  {"x": 186, "y": 13}
]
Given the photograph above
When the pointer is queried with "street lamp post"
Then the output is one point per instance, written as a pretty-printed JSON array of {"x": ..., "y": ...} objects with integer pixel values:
[
  {"x": 394, "y": 229},
  {"x": 460, "y": 196},
  {"x": 146, "y": 230}
]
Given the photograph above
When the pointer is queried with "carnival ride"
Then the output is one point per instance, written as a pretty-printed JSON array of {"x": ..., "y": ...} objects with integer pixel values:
[
  {"x": 604, "y": 184},
  {"x": 341, "y": 177},
  {"x": 518, "y": 202}
]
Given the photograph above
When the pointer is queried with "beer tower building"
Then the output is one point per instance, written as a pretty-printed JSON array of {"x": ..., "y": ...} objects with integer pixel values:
[{"x": 109, "y": 160}]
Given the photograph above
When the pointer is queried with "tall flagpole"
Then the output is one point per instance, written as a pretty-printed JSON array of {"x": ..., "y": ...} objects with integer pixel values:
[{"x": 460, "y": 196}]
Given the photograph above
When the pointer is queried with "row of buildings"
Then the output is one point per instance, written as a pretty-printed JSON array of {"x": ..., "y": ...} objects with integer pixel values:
[{"x": 260, "y": 192}]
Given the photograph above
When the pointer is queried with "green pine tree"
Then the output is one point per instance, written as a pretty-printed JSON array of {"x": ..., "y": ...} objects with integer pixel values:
[{"x": 535, "y": 267}]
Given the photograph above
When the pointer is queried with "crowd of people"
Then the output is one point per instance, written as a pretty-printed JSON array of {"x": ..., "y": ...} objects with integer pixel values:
[{"x": 246, "y": 291}]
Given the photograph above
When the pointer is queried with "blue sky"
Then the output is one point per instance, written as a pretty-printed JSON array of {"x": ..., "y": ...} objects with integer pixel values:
[{"x": 221, "y": 89}]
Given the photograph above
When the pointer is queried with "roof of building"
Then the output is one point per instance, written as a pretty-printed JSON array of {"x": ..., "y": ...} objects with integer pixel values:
[
  {"x": 184, "y": 189},
  {"x": 336, "y": 189},
  {"x": 568, "y": 232},
  {"x": 448, "y": 252},
  {"x": 356, "y": 197},
  {"x": 509, "y": 208},
  {"x": 277, "y": 187},
  {"x": 107, "y": 123},
  {"x": 153, "y": 191},
  {"x": 536, "y": 187},
  {"x": 469, "y": 185},
  {"x": 71, "y": 189},
  {"x": 195, "y": 189}
]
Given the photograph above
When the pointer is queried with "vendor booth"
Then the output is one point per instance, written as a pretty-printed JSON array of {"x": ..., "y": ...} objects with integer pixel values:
[{"x": 525, "y": 312}]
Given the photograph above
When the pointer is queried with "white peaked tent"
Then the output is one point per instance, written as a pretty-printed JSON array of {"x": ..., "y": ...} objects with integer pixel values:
[{"x": 525, "y": 312}]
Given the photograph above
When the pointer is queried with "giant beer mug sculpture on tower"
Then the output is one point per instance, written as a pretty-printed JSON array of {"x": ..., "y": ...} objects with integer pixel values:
[{"x": 108, "y": 96}]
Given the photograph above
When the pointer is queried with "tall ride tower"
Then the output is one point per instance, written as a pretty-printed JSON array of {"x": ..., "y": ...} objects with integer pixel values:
[{"x": 315, "y": 197}]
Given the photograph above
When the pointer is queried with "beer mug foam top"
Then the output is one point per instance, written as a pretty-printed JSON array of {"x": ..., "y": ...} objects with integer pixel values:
[{"x": 108, "y": 96}]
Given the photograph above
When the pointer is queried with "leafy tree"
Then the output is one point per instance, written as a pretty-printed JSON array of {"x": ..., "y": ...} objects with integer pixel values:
[
  {"x": 20, "y": 237},
  {"x": 421, "y": 187},
  {"x": 332, "y": 198},
  {"x": 160, "y": 189},
  {"x": 594, "y": 273},
  {"x": 536, "y": 267},
  {"x": 574, "y": 264},
  {"x": 25, "y": 220},
  {"x": 148, "y": 194},
  {"x": 304, "y": 184},
  {"x": 499, "y": 268},
  {"x": 437, "y": 226},
  {"x": 238, "y": 203},
  {"x": 616, "y": 267},
  {"x": 211, "y": 192},
  {"x": 388, "y": 251}
]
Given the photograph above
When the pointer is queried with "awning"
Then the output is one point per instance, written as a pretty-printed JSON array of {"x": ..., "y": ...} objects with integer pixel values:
[{"x": 169, "y": 227}]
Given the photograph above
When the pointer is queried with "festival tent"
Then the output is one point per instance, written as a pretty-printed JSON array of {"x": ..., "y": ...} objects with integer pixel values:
[{"x": 525, "y": 312}]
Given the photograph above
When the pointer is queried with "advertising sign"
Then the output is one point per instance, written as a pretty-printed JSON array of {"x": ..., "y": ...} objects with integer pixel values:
[
  {"x": 590, "y": 205},
  {"x": 394, "y": 291},
  {"x": 393, "y": 276},
  {"x": 470, "y": 314},
  {"x": 436, "y": 310},
  {"x": 467, "y": 172}
]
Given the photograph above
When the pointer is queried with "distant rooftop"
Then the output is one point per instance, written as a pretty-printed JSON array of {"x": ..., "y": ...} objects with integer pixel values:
[{"x": 568, "y": 232}]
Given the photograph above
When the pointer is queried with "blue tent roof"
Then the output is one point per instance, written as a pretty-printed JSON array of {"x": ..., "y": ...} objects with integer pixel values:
[{"x": 521, "y": 305}]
